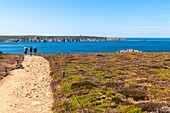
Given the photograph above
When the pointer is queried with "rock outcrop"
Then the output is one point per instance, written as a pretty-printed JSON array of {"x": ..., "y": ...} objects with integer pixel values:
[{"x": 129, "y": 51}]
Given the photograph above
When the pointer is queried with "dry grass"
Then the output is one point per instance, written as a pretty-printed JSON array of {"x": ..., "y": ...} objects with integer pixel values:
[{"x": 9, "y": 61}]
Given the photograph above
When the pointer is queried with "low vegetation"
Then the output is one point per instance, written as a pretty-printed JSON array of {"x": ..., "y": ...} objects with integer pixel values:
[
  {"x": 119, "y": 83},
  {"x": 112, "y": 83},
  {"x": 9, "y": 62}
]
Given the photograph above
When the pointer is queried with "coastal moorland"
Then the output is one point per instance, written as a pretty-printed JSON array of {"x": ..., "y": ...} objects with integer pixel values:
[{"x": 112, "y": 83}]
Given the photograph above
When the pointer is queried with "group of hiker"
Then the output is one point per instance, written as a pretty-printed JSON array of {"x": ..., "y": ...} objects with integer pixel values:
[{"x": 30, "y": 50}]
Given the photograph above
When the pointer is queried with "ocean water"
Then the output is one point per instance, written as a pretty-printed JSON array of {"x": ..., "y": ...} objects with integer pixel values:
[{"x": 145, "y": 45}]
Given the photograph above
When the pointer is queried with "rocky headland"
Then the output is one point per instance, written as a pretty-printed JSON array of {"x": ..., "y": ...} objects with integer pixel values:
[{"x": 56, "y": 39}]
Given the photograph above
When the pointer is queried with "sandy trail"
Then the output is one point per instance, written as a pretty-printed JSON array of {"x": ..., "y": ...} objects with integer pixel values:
[{"x": 27, "y": 90}]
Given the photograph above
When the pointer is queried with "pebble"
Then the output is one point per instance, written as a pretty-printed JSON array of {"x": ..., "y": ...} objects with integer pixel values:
[
  {"x": 20, "y": 110},
  {"x": 35, "y": 103}
]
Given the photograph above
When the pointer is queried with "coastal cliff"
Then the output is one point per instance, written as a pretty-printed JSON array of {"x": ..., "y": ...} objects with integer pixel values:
[{"x": 56, "y": 39}]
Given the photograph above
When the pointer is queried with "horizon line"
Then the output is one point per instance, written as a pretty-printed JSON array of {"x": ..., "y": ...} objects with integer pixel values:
[{"x": 86, "y": 35}]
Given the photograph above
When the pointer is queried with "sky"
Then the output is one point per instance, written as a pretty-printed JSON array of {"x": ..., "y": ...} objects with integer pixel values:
[{"x": 111, "y": 18}]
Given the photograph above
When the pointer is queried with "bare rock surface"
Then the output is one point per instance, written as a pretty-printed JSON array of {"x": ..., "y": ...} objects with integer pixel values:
[
  {"x": 164, "y": 109},
  {"x": 27, "y": 90},
  {"x": 129, "y": 51}
]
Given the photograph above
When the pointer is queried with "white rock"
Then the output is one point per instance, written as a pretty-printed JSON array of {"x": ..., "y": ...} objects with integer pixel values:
[{"x": 35, "y": 103}]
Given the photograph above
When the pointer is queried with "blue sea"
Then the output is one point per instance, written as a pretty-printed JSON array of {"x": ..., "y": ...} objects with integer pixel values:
[{"x": 141, "y": 44}]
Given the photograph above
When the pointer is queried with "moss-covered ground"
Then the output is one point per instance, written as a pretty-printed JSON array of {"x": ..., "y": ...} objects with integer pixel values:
[{"x": 112, "y": 83}]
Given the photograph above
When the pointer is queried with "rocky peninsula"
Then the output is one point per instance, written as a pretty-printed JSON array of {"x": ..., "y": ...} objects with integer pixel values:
[{"x": 56, "y": 39}]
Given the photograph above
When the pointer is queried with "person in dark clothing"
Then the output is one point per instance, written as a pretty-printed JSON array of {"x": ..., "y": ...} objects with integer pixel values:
[
  {"x": 25, "y": 50},
  {"x": 35, "y": 50},
  {"x": 30, "y": 50}
]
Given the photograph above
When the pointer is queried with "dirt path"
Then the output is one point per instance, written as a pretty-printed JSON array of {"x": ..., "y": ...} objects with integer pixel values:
[{"x": 27, "y": 90}]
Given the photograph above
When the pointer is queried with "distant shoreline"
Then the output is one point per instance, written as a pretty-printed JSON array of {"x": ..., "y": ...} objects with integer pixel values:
[{"x": 57, "y": 39}]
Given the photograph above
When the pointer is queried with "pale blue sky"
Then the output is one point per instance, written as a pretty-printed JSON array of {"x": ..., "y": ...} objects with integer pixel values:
[{"x": 113, "y": 18}]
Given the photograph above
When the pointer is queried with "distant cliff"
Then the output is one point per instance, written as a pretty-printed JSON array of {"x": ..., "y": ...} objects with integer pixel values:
[{"x": 56, "y": 39}]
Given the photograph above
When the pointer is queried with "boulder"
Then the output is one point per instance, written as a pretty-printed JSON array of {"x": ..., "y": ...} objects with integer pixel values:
[
  {"x": 1, "y": 52},
  {"x": 164, "y": 109}
]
